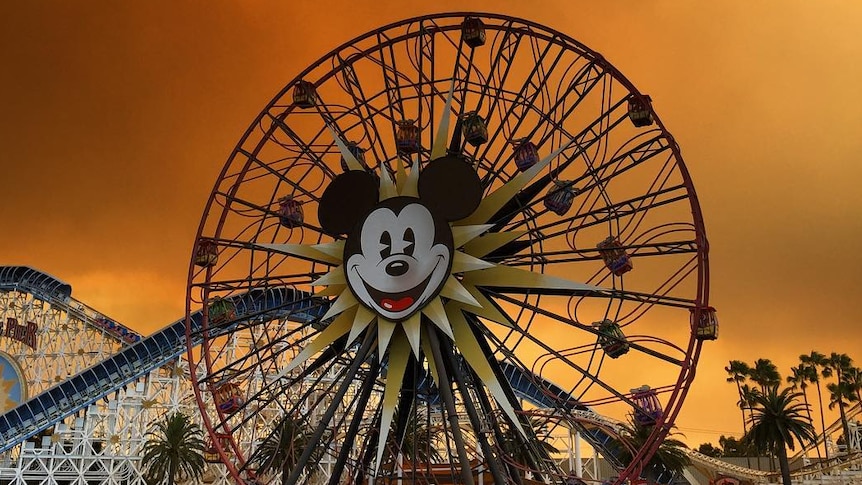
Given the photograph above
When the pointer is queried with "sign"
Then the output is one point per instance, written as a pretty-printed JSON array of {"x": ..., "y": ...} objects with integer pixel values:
[{"x": 24, "y": 333}]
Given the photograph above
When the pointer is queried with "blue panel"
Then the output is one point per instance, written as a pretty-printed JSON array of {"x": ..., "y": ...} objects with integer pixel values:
[
  {"x": 47, "y": 400},
  {"x": 68, "y": 389},
  {"x": 140, "y": 353}
]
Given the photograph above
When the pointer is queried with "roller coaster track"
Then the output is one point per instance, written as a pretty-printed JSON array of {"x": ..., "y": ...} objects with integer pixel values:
[
  {"x": 166, "y": 345},
  {"x": 132, "y": 362},
  {"x": 143, "y": 355}
]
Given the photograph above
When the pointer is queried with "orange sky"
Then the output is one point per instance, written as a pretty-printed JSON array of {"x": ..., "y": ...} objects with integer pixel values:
[{"x": 116, "y": 118}]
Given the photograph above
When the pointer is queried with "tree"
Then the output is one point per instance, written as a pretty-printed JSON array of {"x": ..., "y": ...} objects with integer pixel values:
[
  {"x": 668, "y": 458},
  {"x": 174, "y": 449},
  {"x": 281, "y": 450},
  {"x": 765, "y": 374},
  {"x": 737, "y": 371},
  {"x": 854, "y": 378},
  {"x": 840, "y": 392},
  {"x": 526, "y": 454},
  {"x": 799, "y": 378},
  {"x": 709, "y": 449},
  {"x": 776, "y": 423},
  {"x": 732, "y": 447},
  {"x": 820, "y": 366},
  {"x": 419, "y": 443}
]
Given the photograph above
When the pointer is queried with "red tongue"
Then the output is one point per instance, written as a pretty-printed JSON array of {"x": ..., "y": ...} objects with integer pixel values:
[{"x": 396, "y": 305}]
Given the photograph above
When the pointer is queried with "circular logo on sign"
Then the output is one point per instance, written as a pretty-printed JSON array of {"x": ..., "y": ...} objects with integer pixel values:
[{"x": 13, "y": 386}]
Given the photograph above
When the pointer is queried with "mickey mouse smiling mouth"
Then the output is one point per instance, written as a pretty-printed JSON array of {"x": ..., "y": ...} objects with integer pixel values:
[
  {"x": 398, "y": 302},
  {"x": 401, "y": 260}
]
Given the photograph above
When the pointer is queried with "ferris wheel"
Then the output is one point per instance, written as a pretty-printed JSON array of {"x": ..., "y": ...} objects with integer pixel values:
[{"x": 453, "y": 211}]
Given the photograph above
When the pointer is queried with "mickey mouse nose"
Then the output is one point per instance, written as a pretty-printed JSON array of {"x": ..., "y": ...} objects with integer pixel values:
[{"x": 396, "y": 268}]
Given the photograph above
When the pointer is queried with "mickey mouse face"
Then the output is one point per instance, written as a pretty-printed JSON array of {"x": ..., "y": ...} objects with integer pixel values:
[
  {"x": 398, "y": 258},
  {"x": 399, "y": 251}
]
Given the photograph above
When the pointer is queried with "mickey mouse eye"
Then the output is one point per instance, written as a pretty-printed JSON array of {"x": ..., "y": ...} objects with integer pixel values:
[
  {"x": 410, "y": 239},
  {"x": 385, "y": 245}
]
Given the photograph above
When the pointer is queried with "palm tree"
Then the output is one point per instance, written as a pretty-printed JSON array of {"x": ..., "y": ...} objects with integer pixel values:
[
  {"x": 840, "y": 392},
  {"x": 281, "y": 450},
  {"x": 737, "y": 371},
  {"x": 669, "y": 458},
  {"x": 777, "y": 421},
  {"x": 518, "y": 451},
  {"x": 765, "y": 373},
  {"x": 174, "y": 450},
  {"x": 419, "y": 441},
  {"x": 799, "y": 379},
  {"x": 854, "y": 378},
  {"x": 817, "y": 361}
]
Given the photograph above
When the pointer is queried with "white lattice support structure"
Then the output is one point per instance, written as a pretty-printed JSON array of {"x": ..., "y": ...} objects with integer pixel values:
[{"x": 103, "y": 442}]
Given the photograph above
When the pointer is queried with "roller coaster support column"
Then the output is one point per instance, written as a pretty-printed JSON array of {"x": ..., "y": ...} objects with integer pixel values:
[{"x": 579, "y": 466}]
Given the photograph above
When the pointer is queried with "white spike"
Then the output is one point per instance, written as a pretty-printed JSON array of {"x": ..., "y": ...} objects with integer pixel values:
[
  {"x": 352, "y": 162},
  {"x": 442, "y": 135}
]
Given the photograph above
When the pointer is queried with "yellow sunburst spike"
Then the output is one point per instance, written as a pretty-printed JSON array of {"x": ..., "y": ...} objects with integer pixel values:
[
  {"x": 486, "y": 308},
  {"x": 485, "y": 244},
  {"x": 411, "y": 184},
  {"x": 462, "y": 263},
  {"x": 331, "y": 290},
  {"x": 507, "y": 276},
  {"x": 385, "y": 329},
  {"x": 464, "y": 234},
  {"x": 301, "y": 251},
  {"x": 343, "y": 302},
  {"x": 334, "y": 277},
  {"x": 442, "y": 135},
  {"x": 437, "y": 314},
  {"x": 352, "y": 162},
  {"x": 338, "y": 328},
  {"x": 363, "y": 318},
  {"x": 394, "y": 377},
  {"x": 478, "y": 361},
  {"x": 334, "y": 248},
  {"x": 454, "y": 290},
  {"x": 497, "y": 199},
  {"x": 412, "y": 327},
  {"x": 387, "y": 185}
]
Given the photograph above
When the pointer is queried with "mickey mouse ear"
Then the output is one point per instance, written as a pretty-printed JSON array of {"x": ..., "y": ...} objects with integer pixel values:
[
  {"x": 347, "y": 199},
  {"x": 450, "y": 187}
]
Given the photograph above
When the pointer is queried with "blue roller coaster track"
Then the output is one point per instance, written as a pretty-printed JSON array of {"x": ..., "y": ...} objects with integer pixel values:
[{"x": 147, "y": 354}]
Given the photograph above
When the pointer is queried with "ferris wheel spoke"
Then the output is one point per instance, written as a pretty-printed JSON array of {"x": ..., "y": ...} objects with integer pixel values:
[
  {"x": 547, "y": 120},
  {"x": 505, "y": 54},
  {"x": 292, "y": 183},
  {"x": 522, "y": 99},
  {"x": 362, "y": 355},
  {"x": 361, "y": 404},
  {"x": 504, "y": 296},
  {"x": 263, "y": 281},
  {"x": 550, "y": 258},
  {"x": 365, "y": 109},
  {"x": 581, "y": 142},
  {"x": 303, "y": 147},
  {"x": 391, "y": 76},
  {"x": 602, "y": 215},
  {"x": 265, "y": 211},
  {"x": 613, "y": 294},
  {"x": 594, "y": 379},
  {"x": 319, "y": 382}
]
